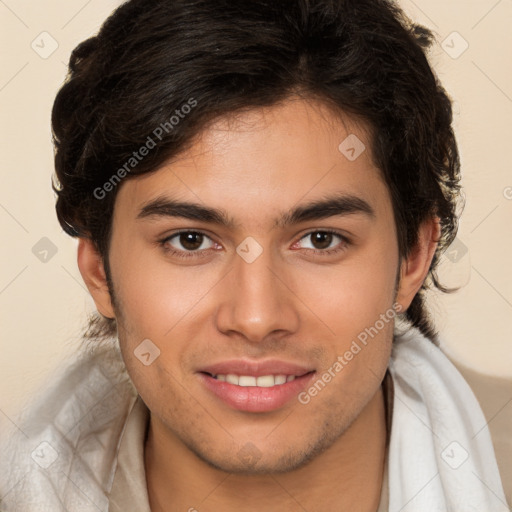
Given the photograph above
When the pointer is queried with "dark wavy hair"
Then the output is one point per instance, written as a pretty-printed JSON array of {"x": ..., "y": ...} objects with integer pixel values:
[{"x": 362, "y": 57}]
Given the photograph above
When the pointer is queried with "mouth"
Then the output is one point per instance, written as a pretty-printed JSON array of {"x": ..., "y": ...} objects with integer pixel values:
[{"x": 255, "y": 387}]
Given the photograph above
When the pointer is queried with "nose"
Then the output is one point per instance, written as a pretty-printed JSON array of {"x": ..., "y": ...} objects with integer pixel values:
[{"x": 257, "y": 301}]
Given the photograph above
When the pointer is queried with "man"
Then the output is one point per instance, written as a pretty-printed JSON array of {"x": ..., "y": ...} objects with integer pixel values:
[{"x": 260, "y": 190}]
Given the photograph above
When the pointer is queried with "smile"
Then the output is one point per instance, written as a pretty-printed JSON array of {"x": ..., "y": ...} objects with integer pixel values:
[{"x": 264, "y": 392}]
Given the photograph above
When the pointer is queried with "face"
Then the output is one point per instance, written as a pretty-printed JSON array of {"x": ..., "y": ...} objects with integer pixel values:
[{"x": 256, "y": 263}]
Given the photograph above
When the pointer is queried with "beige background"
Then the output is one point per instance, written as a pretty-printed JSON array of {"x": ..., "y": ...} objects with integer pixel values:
[{"x": 43, "y": 304}]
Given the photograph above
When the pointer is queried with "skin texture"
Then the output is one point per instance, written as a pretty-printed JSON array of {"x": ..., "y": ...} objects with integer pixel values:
[{"x": 291, "y": 303}]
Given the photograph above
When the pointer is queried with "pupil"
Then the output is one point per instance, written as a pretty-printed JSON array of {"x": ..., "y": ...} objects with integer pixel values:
[
  {"x": 191, "y": 241},
  {"x": 322, "y": 240}
]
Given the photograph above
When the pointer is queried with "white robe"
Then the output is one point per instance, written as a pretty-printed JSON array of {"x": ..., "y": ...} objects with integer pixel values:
[{"x": 62, "y": 455}]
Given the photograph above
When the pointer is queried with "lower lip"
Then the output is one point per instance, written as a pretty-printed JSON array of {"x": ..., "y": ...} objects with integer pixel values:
[{"x": 253, "y": 398}]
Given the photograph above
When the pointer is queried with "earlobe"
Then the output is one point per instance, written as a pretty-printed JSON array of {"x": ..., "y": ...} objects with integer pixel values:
[
  {"x": 415, "y": 267},
  {"x": 93, "y": 273}
]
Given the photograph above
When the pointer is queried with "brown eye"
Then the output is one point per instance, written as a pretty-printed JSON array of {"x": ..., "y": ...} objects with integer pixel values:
[
  {"x": 323, "y": 242},
  {"x": 188, "y": 241},
  {"x": 321, "y": 239},
  {"x": 191, "y": 241}
]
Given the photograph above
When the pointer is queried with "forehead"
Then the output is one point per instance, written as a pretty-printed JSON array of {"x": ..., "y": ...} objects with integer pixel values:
[{"x": 267, "y": 159}]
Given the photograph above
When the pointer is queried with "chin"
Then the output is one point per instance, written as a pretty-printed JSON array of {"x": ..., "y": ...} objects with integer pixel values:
[{"x": 248, "y": 459}]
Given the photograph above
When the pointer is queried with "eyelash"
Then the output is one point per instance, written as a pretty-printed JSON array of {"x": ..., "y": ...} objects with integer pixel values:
[
  {"x": 183, "y": 254},
  {"x": 336, "y": 249},
  {"x": 204, "y": 252}
]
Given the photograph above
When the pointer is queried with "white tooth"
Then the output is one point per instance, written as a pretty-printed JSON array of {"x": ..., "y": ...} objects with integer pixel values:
[
  {"x": 265, "y": 381},
  {"x": 280, "y": 379},
  {"x": 232, "y": 379},
  {"x": 246, "y": 380}
]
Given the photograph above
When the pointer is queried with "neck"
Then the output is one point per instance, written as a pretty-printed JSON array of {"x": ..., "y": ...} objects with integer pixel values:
[{"x": 346, "y": 477}]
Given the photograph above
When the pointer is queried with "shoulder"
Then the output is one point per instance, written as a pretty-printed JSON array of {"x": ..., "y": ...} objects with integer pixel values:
[{"x": 62, "y": 446}]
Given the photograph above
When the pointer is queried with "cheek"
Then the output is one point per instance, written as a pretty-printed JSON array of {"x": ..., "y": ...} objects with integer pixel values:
[
  {"x": 159, "y": 302},
  {"x": 355, "y": 300},
  {"x": 351, "y": 296},
  {"x": 155, "y": 296}
]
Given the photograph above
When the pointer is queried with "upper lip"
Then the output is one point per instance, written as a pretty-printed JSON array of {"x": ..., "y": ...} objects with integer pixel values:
[{"x": 256, "y": 368}]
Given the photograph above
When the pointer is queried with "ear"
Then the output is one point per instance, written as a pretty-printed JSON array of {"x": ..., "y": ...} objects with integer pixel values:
[
  {"x": 93, "y": 273},
  {"x": 414, "y": 269}
]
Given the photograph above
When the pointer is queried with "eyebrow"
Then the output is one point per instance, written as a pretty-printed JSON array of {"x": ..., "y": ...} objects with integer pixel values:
[{"x": 339, "y": 205}]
